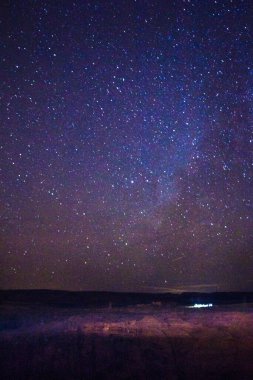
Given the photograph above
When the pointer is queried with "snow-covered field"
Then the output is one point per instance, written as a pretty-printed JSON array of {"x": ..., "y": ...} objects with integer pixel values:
[{"x": 140, "y": 342}]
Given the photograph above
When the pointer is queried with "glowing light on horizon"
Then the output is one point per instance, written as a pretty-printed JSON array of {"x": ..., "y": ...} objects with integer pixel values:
[{"x": 201, "y": 305}]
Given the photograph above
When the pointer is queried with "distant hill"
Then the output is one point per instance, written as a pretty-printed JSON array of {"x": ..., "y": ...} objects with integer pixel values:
[{"x": 104, "y": 299}]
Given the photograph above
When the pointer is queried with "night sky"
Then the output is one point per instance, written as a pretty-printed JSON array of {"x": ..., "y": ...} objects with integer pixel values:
[{"x": 126, "y": 145}]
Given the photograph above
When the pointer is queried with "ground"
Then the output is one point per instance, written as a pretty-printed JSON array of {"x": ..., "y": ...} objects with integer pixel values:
[{"x": 139, "y": 342}]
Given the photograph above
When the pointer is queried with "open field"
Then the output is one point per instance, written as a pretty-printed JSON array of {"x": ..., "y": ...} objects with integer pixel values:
[{"x": 133, "y": 342}]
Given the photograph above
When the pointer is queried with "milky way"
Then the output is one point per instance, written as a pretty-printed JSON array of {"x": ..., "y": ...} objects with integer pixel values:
[{"x": 127, "y": 145}]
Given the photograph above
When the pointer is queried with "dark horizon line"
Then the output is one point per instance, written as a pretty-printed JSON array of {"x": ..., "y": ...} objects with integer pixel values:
[{"x": 124, "y": 291}]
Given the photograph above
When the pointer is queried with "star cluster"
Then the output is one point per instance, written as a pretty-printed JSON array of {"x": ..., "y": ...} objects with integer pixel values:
[{"x": 127, "y": 144}]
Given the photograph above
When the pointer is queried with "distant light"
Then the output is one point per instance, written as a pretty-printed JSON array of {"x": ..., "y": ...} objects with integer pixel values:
[{"x": 200, "y": 305}]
